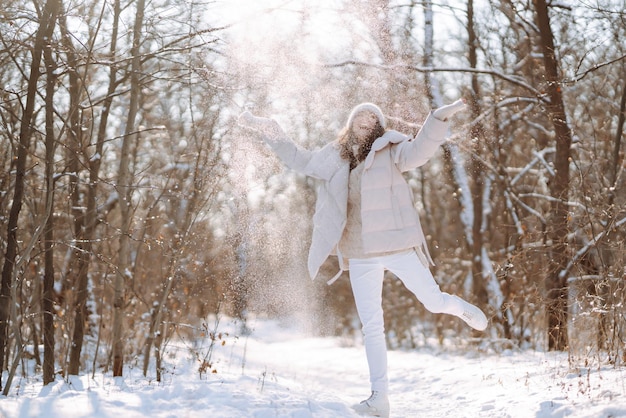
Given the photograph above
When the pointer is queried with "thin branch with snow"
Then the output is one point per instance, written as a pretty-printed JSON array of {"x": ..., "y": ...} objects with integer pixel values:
[{"x": 594, "y": 242}]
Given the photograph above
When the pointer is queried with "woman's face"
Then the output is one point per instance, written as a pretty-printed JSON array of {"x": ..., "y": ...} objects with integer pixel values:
[{"x": 363, "y": 124}]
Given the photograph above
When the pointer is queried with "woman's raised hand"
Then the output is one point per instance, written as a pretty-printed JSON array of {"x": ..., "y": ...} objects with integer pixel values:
[
  {"x": 444, "y": 112},
  {"x": 264, "y": 125}
]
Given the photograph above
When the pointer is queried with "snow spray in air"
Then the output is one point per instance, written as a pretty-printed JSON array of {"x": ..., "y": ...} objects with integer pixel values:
[{"x": 279, "y": 53}]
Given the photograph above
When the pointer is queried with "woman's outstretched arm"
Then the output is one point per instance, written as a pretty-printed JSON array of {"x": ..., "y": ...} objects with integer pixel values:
[
  {"x": 417, "y": 151},
  {"x": 310, "y": 163}
]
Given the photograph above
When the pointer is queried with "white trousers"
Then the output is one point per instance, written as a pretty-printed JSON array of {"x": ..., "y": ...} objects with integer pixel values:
[{"x": 366, "y": 278}]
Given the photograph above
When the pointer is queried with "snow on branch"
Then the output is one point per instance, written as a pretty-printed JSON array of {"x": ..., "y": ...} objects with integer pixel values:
[
  {"x": 541, "y": 157},
  {"x": 527, "y": 168},
  {"x": 580, "y": 76},
  {"x": 553, "y": 199},
  {"x": 537, "y": 214},
  {"x": 596, "y": 239},
  {"x": 513, "y": 212},
  {"x": 596, "y": 277}
]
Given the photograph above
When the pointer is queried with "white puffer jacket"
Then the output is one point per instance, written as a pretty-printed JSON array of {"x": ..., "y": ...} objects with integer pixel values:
[{"x": 390, "y": 220}]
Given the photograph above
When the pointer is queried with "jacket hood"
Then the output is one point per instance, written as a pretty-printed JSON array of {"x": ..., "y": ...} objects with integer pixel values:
[{"x": 390, "y": 137}]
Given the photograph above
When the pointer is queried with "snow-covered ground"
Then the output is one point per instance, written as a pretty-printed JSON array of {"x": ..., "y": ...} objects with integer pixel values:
[{"x": 278, "y": 371}]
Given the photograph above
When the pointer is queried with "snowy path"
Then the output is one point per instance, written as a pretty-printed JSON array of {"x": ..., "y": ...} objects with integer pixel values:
[{"x": 286, "y": 374}]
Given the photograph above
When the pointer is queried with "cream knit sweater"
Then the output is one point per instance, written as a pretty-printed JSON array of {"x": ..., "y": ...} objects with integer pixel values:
[{"x": 351, "y": 243}]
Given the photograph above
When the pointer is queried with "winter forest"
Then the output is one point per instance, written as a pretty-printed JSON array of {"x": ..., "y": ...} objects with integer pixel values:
[{"x": 134, "y": 211}]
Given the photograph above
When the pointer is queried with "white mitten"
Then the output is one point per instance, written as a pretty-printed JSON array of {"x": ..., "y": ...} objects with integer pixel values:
[
  {"x": 246, "y": 119},
  {"x": 444, "y": 112},
  {"x": 267, "y": 126}
]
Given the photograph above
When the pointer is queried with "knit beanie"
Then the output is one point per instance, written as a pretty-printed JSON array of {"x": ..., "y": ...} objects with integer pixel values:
[{"x": 370, "y": 107}]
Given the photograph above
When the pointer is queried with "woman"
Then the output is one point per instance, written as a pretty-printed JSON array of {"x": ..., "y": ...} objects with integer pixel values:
[{"x": 365, "y": 215}]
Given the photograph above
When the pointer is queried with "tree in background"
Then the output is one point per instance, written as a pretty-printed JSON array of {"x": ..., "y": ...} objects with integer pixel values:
[
  {"x": 558, "y": 224},
  {"x": 47, "y": 23}
]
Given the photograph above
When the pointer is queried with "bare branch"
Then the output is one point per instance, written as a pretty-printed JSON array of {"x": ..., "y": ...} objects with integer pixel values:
[
  {"x": 579, "y": 77},
  {"x": 511, "y": 79}
]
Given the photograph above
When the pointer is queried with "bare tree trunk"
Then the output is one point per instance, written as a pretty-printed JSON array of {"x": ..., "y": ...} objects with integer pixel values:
[
  {"x": 48, "y": 281},
  {"x": 48, "y": 300},
  {"x": 427, "y": 60},
  {"x": 44, "y": 33},
  {"x": 619, "y": 133},
  {"x": 604, "y": 328},
  {"x": 457, "y": 174},
  {"x": 95, "y": 160},
  {"x": 472, "y": 191},
  {"x": 125, "y": 191},
  {"x": 81, "y": 254},
  {"x": 158, "y": 355},
  {"x": 85, "y": 224},
  {"x": 556, "y": 282},
  {"x": 452, "y": 162},
  {"x": 476, "y": 170}
]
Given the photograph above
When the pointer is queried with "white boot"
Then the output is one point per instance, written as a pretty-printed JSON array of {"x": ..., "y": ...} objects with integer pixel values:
[
  {"x": 472, "y": 315},
  {"x": 377, "y": 405}
]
